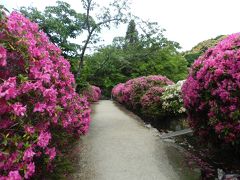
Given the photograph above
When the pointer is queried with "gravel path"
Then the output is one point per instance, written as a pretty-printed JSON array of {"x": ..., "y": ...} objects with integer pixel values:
[{"x": 120, "y": 147}]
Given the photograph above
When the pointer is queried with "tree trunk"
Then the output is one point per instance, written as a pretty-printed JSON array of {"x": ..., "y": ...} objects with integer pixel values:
[{"x": 80, "y": 66}]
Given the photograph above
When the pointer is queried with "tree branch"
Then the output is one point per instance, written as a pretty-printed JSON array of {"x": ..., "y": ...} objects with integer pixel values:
[
  {"x": 88, "y": 14},
  {"x": 107, "y": 21}
]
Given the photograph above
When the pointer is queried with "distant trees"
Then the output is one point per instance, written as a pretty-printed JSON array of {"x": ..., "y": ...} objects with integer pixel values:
[
  {"x": 143, "y": 51},
  {"x": 105, "y": 68}
]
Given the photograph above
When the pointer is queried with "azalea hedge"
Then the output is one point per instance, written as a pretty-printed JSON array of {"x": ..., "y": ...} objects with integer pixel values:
[
  {"x": 39, "y": 105},
  {"x": 212, "y": 94},
  {"x": 154, "y": 97},
  {"x": 92, "y": 93},
  {"x": 172, "y": 99}
]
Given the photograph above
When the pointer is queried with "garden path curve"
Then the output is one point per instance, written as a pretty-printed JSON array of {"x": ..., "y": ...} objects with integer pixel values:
[{"x": 120, "y": 147}]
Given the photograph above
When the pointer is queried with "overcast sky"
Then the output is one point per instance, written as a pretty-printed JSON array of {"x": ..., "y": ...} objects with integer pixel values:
[{"x": 186, "y": 21}]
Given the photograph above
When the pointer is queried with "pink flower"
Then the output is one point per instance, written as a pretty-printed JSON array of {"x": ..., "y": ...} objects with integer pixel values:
[
  {"x": 28, "y": 154},
  {"x": 232, "y": 108},
  {"x": 29, "y": 129},
  {"x": 8, "y": 88},
  {"x": 219, "y": 72},
  {"x": 11, "y": 93},
  {"x": 14, "y": 175},
  {"x": 51, "y": 152},
  {"x": 3, "y": 56},
  {"x": 218, "y": 128},
  {"x": 39, "y": 107},
  {"x": 30, "y": 170},
  {"x": 19, "y": 109},
  {"x": 50, "y": 94},
  {"x": 28, "y": 86},
  {"x": 44, "y": 139}
]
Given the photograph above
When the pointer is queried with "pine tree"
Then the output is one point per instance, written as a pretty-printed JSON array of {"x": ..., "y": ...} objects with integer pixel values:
[{"x": 131, "y": 37}]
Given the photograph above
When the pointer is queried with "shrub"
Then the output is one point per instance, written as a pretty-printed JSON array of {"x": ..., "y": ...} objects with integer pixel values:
[
  {"x": 39, "y": 105},
  {"x": 93, "y": 93},
  {"x": 117, "y": 92},
  {"x": 142, "y": 84},
  {"x": 160, "y": 102},
  {"x": 151, "y": 103},
  {"x": 131, "y": 92},
  {"x": 211, "y": 93},
  {"x": 172, "y": 102}
]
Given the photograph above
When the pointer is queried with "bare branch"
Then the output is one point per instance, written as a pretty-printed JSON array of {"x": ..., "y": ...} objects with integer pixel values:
[{"x": 105, "y": 19}]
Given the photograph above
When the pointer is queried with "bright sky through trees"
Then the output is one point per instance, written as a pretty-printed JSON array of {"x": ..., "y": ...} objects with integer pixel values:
[{"x": 186, "y": 21}]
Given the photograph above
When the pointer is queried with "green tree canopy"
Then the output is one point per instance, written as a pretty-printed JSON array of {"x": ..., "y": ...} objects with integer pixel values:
[{"x": 152, "y": 54}]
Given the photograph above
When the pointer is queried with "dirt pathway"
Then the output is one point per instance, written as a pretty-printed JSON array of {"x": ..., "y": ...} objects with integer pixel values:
[{"x": 120, "y": 147}]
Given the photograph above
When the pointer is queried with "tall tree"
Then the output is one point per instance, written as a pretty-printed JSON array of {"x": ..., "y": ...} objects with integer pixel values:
[
  {"x": 131, "y": 37},
  {"x": 115, "y": 13}
]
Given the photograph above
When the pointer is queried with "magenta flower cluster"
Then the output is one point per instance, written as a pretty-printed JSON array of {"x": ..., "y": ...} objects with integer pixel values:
[
  {"x": 37, "y": 99},
  {"x": 152, "y": 95},
  {"x": 139, "y": 92},
  {"x": 92, "y": 93},
  {"x": 151, "y": 103},
  {"x": 212, "y": 93}
]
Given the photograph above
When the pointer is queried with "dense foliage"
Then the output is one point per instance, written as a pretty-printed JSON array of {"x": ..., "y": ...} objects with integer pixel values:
[
  {"x": 104, "y": 69},
  {"x": 153, "y": 97},
  {"x": 138, "y": 54},
  {"x": 211, "y": 93},
  {"x": 39, "y": 105}
]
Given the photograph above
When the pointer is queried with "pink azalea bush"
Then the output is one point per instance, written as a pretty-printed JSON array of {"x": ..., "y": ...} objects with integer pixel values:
[
  {"x": 92, "y": 93},
  {"x": 117, "y": 92},
  {"x": 151, "y": 103},
  {"x": 37, "y": 99},
  {"x": 211, "y": 93},
  {"x": 154, "y": 97},
  {"x": 131, "y": 92},
  {"x": 160, "y": 102}
]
